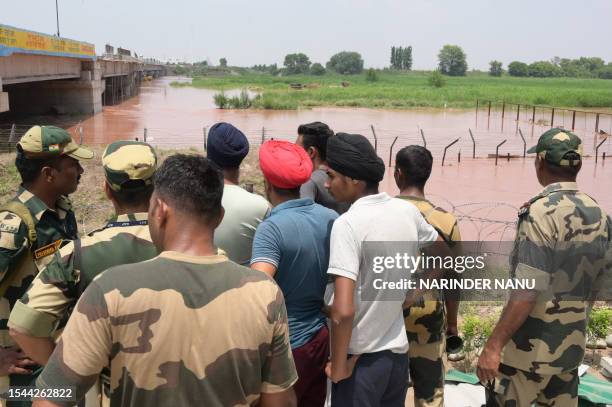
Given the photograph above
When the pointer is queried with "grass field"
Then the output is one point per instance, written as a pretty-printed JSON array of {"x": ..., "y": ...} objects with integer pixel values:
[{"x": 410, "y": 90}]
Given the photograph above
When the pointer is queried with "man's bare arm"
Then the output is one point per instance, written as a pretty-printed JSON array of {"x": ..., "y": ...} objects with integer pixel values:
[
  {"x": 37, "y": 349},
  {"x": 267, "y": 268}
]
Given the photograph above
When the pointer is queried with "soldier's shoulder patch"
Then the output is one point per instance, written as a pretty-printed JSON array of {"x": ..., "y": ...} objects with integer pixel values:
[{"x": 9, "y": 222}]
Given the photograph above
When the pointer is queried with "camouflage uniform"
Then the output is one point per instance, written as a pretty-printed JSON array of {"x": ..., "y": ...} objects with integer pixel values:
[
  {"x": 53, "y": 228},
  {"x": 426, "y": 321},
  {"x": 540, "y": 363},
  {"x": 124, "y": 240},
  {"x": 178, "y": 330}
]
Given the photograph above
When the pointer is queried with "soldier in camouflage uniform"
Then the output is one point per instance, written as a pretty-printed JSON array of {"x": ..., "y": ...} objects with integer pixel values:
[
  {"x": 34, "y": 225},
  {"x": 428, "y": 321},
  {"x": 186, "y": 328},
  {"x": 128, "y": 167},
  {"x": 539, "y": 341}
]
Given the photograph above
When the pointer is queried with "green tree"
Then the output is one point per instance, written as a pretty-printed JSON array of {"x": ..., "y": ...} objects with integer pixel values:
[
  {"x": 297, "y": 63},
  {"x": 436, "y": 79},
  {"x": 371, "y": 75},
  {"x": 317, "y": 69},
  {"x": 346, "y": 63},
  {"x": 495, "y": 68},
  {"x": 543, "y": 69},
  {"x": 222, "y": 62},
  {"x": 393, "y": 57},
  {"x": 407, "y": 58},
  {"x": 517, "y": 68},
  {"x": 605, "y": 72},
  {"x": 452, "y": 60}
]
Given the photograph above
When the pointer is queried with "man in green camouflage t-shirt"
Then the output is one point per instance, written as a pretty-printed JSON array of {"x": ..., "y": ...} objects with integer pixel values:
[
  {"x": 562, "y": 237},
  {"x": 186, "y": 328},
  {"x": 33, "y": 226},
  {"x": 129, "y": 167}
]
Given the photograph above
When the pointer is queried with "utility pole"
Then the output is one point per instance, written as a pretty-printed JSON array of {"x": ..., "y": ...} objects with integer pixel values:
[{"x": 57, "y": 18}]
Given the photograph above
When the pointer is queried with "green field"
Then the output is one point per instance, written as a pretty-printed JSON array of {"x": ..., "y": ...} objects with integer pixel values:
[{"x": 410, "y": 90}]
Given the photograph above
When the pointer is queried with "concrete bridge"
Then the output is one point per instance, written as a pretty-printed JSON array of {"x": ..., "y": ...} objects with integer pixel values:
[{"x": 41, "y": 74}]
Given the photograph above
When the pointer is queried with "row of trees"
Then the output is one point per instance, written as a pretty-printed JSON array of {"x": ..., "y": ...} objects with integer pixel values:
[
  {"x": 401, "y": 58},
  {"x": 345, "y": 63},
  {"x": 583, "y": 67}
]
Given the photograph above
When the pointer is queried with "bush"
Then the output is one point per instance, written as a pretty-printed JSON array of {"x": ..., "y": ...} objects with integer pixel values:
[
  {"x": 476, "y": 330},
  {"x": 346, "y": 63},
  {"x": 599, "y": 324},
  {"x": 517, "y": 68},
  {"x": 495, "y": 68},
  {"x": 371, "y": 75},
  {"x": 317, "y": 69},
  {"x": 452, "y": 61},
  {"x": 437, "y": 79},
  {"x": 221, "y": 100},
  {"x": 543, "y": 69},
  {"x": 297, "y": 64}
]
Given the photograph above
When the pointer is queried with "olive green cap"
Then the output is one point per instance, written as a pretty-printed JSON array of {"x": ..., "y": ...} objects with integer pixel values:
[
  {"x": 127, "y": 161},
  {"x": 555, "y": 144},
  {"x": 45, "y": 142}
]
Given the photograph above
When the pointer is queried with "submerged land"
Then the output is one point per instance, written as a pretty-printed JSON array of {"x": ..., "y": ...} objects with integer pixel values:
[{"x": 401, "y": 90}]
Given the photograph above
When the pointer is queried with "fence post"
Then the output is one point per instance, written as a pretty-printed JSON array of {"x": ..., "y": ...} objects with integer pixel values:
[
  {"x": 552, "y": 118},
  {"x": 473, "y": 144},
  {"x": 80, "y": 134},
  {"x": 518, "y": 116},
  {"x": 497, "y": 150},
  {"x": 423, "y": 137},
  {"x": 204, "y": 133},
  {"x": 446, "y": 148},
  {"x": 489, "y": 116},
  {"x": 12, "y": 135},
  {"x": 391, "y": 150},
  {"x": 574, "y": 120},
  {"x": 524, "y": 143},
  {"x": 533, "y": 118},
  {"x": 477, "y": 103},
  {"x": 503, "y": 115},
  {"x": 459, "y": 156},
  {"x": 144, "y": 136},
  {"x": 597, "y": 123},
  {"x": 375, "y": 138},
  {"x": 597, "y": 149},
  {"x": 263, "y": 135}
]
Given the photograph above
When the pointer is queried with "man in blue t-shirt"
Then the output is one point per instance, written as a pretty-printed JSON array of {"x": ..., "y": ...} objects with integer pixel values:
[{"x": 292, "y": 246}]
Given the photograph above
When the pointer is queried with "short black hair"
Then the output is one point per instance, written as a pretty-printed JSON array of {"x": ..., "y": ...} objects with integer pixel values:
[
  {"x": 192, "y": 184},
  {"x": 315, "y": 135},
  {"x": 29, "y": 168},
  {"x": 128, "y": 195},
  {"x": 415, "y": 163}
]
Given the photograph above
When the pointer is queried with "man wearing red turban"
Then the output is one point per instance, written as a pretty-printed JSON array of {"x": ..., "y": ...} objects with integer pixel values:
[{"x": 292, "y": 246}]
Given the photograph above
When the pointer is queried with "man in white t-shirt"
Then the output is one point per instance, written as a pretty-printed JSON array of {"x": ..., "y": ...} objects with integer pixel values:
[
  {"x": 227, "y": 147},
  {"x": 369, "y": 364}
]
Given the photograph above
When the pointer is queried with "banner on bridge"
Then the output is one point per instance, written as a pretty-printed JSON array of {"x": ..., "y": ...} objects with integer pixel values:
[{"x": 15, "y": 40}]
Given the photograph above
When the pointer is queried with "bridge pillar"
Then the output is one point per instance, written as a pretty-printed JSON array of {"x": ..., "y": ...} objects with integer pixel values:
[{"x": 4, "y": 100}]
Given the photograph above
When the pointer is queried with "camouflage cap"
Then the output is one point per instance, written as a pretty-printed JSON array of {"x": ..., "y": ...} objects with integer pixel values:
[
  {"x": 43, "y": 142},
  {"x": 555, "y": 144},
  {"x": 126, "y": 161}
]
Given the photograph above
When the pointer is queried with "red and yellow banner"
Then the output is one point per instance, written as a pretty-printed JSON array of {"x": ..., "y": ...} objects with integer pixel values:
[{"x": 30, "y": 42}]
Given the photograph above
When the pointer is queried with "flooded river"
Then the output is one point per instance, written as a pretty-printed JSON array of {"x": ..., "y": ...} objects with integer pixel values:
[{"x": 486, "y": 197}]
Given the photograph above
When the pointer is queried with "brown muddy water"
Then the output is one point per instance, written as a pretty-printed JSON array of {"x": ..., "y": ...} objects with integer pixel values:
[{"x": 484, "y": 196}]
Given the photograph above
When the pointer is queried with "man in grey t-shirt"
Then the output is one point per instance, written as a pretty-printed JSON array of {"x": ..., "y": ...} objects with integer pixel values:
[
  {"x": 313, "y": 138},
  {"x": 244, "y": 211}
]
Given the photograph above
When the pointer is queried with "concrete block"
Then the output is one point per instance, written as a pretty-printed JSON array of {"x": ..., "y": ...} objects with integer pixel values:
[
  {"x": 606, "y": 364},
  {"x": 4, "y": 102},
  {"x": 85, "y": 75}
]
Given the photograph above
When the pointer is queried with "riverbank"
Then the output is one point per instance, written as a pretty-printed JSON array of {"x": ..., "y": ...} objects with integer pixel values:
[{"x": 395, "y": 90}]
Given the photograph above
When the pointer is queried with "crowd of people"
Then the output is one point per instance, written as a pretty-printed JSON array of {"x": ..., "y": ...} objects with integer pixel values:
[{"x": 198, "y": 292}]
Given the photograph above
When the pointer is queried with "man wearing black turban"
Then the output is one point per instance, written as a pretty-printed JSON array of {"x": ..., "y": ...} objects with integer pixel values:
[
  {"x": 227, "y": 147},
  {"x": 377, "y": 372}
]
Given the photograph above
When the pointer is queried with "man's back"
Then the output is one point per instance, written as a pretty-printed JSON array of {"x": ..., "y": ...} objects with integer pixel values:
[
  {"x": 570, "y": 226},
  {"x": 295, "y": 239},
  {"x": 178, "y": 330},
  {"x": 243, "y": 212}
]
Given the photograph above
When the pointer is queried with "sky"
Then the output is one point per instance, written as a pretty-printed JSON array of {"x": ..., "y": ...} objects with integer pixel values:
[{"x": 248, "y": 32}]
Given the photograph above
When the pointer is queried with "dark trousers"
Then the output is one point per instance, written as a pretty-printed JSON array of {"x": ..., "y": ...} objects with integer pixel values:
[
  {"x": 310, "y": 360},
  {"x": 379, "y": 380}
]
